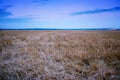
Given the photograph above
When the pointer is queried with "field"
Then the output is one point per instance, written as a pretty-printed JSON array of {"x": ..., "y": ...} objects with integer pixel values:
[{"x": 60, "y": 55}]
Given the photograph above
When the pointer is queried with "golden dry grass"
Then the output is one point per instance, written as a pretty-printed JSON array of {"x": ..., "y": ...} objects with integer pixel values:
[{"x": 59, "y": 55}]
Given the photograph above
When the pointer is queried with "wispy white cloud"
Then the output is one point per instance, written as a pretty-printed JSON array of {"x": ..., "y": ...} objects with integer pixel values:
[
  {"x": 114, "y": 9},
  {"x": 4, "y": 12},
  {"x": 7, "y": 16}
]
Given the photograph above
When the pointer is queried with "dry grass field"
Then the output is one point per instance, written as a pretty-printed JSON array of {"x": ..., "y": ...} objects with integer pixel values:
[{"x": 60, "y": 55}]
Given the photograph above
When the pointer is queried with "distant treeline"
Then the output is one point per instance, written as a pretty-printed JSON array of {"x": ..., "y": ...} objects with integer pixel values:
[{"x": 63, "y": 29}]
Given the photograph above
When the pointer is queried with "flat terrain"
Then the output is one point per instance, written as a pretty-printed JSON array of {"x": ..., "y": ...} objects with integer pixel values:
[{"x": 60, "y": 55}]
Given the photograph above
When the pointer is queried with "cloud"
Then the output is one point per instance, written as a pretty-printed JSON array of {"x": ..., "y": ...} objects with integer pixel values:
[
  {"x": 14, "y": 20},
  {"x": 4, "y": 13},
  {"x": 7, "y": 6},
  {"x": 40, "y": 1},
  {"x": 4, "y": 16},
  {"x": 115, "y": 9}
]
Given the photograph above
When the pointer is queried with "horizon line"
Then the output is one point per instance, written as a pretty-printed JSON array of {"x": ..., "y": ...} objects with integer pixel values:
[{"x": 59, "y": 29}]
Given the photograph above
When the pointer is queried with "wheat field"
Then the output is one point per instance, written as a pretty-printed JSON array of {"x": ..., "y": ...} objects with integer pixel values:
[{"x": 60, "y": 55}]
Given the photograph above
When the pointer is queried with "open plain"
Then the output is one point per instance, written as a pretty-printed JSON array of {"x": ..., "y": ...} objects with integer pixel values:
[{"x": 60, "y": 55}]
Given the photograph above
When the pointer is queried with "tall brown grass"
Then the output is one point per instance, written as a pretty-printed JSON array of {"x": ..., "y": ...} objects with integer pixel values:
[{"x": 59, "y": 55}]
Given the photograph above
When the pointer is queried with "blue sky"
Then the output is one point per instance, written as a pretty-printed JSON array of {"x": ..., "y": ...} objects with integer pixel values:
[{"x": 63, "y": 14}]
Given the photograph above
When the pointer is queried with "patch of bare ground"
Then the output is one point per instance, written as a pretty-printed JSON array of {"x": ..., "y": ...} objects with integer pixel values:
[{"x": 59, "y": 55}]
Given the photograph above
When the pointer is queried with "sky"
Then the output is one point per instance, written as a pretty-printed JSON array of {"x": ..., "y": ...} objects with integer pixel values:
[{"x": 59, "y": 14}]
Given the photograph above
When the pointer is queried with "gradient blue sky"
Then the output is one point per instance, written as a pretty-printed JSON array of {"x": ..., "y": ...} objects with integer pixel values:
[{"x": 59, "y": 14}]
